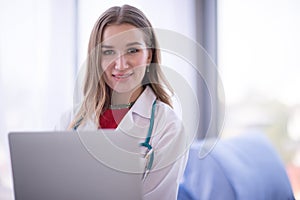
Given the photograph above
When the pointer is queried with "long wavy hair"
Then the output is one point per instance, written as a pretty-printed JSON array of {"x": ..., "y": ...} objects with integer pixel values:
[{"x": 96, "y": 93}]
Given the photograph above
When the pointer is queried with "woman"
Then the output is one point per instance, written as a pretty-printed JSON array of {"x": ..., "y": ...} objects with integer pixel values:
[{"x": 124, "y": 88}]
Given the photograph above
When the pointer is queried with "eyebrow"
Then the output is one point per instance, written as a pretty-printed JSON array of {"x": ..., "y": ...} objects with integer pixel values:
[
  {"x": 129, "y": 44},
  {"x": 134, "y": 43},
  {"x": 107, "y": 46}
]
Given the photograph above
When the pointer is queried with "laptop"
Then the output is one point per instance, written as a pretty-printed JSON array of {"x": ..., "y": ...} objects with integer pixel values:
[{"x": 74, "y": 165}]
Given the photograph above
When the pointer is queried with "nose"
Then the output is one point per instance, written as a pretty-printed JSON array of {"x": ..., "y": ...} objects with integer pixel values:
[{"x": 121, "y": 62}]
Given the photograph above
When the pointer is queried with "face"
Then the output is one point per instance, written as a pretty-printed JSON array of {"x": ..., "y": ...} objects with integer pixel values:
[{"x": 124, "y": 57}]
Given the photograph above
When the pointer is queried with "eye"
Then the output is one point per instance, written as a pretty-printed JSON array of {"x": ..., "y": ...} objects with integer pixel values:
[
  {"x": 108, "y": 52},
  {"x": 132, "y": 50}
]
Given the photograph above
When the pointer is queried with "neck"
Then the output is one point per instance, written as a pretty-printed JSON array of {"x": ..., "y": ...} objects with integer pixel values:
[{"x": 125, "y": 98}]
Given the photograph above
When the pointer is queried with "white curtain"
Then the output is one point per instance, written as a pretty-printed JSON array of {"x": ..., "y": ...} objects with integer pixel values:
[{"x": 36, "y": 69}]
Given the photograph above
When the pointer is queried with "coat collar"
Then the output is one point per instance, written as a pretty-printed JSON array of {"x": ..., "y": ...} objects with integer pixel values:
[
  {"x": 142, "y": 107},
  {"x": 143, "y": 104}
]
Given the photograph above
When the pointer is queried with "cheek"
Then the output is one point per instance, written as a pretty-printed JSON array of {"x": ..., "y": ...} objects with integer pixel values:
[
  {"x": 105, "y": 65},
  {"x": 140, "y": 61},
  {"x": 140, "y": 72},
  {"x": 106, "y": 71}
]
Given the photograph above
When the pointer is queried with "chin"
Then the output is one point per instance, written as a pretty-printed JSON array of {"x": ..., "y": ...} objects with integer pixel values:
[
  {"x": 125, "y": 88},
  {"x": 122, "y": 89}
]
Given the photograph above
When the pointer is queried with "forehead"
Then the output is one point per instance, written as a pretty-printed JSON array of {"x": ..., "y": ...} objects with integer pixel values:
[{"x": 120, "y": 34}]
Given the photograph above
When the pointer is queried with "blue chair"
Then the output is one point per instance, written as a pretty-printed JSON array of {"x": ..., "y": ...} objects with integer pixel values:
[{"x": 245, "y": 167}]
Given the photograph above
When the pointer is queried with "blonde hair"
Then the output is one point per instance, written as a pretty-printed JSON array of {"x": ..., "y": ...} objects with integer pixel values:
[{"x": 97, "y": 94}]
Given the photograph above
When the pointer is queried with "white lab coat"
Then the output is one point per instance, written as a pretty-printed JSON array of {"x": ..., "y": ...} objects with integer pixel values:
[{"x": 169, "y": 141}]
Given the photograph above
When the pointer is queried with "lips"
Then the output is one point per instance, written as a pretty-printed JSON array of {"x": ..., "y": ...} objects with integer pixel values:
[{"x": 122, "y": 76}]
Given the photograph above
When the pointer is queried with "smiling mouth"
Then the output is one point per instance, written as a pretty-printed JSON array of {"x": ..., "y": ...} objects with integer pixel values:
[{"x": 122, "y": 76}]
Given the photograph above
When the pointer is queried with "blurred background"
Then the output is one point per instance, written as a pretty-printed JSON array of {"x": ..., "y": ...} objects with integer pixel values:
[{"x": 254, "y": 43}]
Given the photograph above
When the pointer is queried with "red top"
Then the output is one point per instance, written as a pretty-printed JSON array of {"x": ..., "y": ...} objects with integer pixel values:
[{"x": 111, "y": 118}]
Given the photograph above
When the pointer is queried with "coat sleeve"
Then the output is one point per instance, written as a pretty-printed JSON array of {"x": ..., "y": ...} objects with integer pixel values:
[{"x": 170, "y": 144}]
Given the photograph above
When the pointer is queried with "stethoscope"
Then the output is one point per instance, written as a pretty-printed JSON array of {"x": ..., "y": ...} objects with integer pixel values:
[{"x": 149, "y": 155}]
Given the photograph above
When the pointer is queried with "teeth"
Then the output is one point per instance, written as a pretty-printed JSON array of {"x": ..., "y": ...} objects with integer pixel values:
[{"x": 122, "y": 76}]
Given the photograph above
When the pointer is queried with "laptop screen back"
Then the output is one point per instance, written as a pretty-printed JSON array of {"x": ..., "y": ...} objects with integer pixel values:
[{"x": 71, "y": 165}]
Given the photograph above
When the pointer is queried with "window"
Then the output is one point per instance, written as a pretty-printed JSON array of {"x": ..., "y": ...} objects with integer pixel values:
[
  {"x": 258, "y": 43},
  {"x": 36, "y": 70}
]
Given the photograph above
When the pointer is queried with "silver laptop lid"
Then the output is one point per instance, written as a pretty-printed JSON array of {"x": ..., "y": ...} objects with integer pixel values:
[{"x": 75, "y": 165}]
